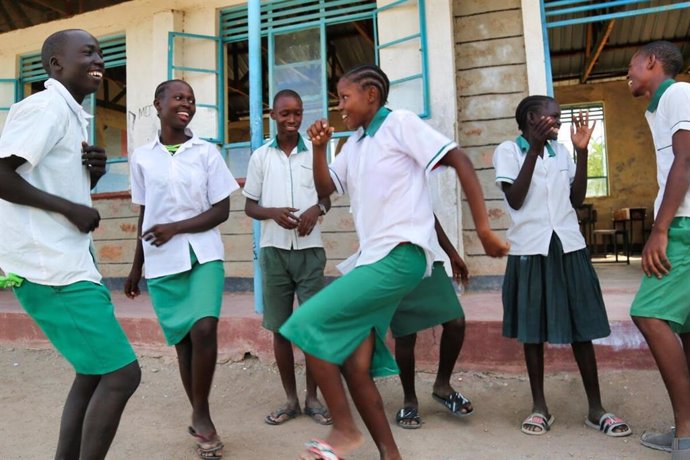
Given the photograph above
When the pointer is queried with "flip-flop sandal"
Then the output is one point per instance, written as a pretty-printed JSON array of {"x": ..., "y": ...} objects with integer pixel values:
[
  {"x": 207, "y": 448},
  {"x": 408, "y": 414},
  {"x": 455, "y": 403},
  {"x": 319, "y": 414},
  {"x": 609, "y": 422},
  {"x": 321, "y": 448},
  {"x": 274, "y": 418},
  {"x": 537, "y": 420}
]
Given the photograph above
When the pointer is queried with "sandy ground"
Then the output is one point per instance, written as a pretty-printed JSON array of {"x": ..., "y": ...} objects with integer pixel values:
[{"x": 34, "y": 384}]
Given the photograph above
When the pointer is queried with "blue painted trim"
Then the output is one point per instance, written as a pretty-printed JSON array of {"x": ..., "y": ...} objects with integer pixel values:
[
  {"x": 597, "y": 6},
  {"x": 255, "y": 127},
  {"x": 547, "y": 52},
  {"x": 618, "y": 15}
]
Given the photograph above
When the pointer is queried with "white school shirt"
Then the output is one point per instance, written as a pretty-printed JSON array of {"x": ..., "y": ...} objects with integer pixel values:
[
  {"x": 384, "y": 170},
  {"x": 47, "y": 129},
  {"x": 667, "y": 113},
  {"x": 547, "y": 206},
  {"x": 276, "y": 180},
  {"x": 178, "y": 187}
]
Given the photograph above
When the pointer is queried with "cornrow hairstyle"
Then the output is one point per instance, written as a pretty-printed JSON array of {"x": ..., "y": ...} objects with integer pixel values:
[
  {"x": 370, "y": 75},
  {"x": 54, "y": 45},
  {"x": 528, "y": 105},
  {"x": 162, "y": 87},
  {"x": 286, "y": 93},
  {"x": 670, "y": 56}
]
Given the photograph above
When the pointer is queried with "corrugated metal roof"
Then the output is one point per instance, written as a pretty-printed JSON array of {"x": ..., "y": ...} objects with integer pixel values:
[{"x": 568, "y": 43}]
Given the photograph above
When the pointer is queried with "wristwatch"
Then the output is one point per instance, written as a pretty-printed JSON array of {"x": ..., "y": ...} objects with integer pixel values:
[{"x": 322, "y": 208}]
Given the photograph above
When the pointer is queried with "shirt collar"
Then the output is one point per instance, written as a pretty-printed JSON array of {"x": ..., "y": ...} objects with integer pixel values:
[
  {"x": 301, "y": 146},
  {"x": 193, "y": 139},
  {"x": 524, "y": 146},
  {"x": 376, "y": 122},
  {"x": 72, "y": 103},
  {"x": 654, "y": 103}
]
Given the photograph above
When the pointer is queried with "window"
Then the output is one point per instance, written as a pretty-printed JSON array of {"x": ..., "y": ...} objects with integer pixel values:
[
  {"x": 597, "y": 162},
  {"x": 108, "y": 105},
  {"x": 306, "y": 46}
]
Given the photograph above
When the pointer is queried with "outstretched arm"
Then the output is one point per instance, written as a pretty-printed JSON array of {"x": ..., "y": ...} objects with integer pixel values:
[
  {"x": 15, "y": 189},
  {"x": 458, "y": 160}
]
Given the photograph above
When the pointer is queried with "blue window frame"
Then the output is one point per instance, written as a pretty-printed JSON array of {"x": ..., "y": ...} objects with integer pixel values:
[{"x": 398, "y": 35}]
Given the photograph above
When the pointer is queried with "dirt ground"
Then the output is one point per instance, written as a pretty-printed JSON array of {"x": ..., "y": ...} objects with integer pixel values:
[{"x": 34, "y": 384}]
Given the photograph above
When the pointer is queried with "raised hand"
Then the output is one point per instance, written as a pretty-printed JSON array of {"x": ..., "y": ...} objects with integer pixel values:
[
  {"x": 320, "y": 133},
  {"x": 538, "y": 134},
  {"x": 580, "y": 131}
]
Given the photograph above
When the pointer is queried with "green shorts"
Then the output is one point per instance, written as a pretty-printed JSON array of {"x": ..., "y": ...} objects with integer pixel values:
[
  {"x": 79, "y": 320},
  {"x": 433, "y": 302},
  {"x": 288, "y": 272},
  {"x": 182, "y": 299},
  {"x": 668, "y": 298},
  {"x": 334, "y": 323}
]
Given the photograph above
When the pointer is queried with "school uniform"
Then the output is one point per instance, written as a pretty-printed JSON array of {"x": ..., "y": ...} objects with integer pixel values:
[
  {"x": 185, "y": 276},
  {"x": 290, "y": 264},
  {"x": 62, "y": 288},
  {"x": 667, "y": 298},
  {"x": 550, "y": 290},
  {"x": 384, "y": 170}
]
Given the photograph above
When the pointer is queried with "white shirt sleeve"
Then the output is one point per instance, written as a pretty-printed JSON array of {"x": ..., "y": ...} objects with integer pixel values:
[
  {"x": 220, "y": 183},
  {"x": 423, "y": 143},
  {"x": 30, "y": 132},
  {"x": 506, "y": 163},
  {"x": 338, "y": 170},
  {"x": 677, "y": 106},
  {"x": 254, "y": 181},
  {"x": 137, "y": 181}
]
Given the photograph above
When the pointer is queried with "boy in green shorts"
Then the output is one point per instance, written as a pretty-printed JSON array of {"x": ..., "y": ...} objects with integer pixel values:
[
  {"x": 280, "y": 192},
  {"x": 46, "y": 173},
  {"x": 434, "y": 301},
  {"x": 661, "y": 308}
]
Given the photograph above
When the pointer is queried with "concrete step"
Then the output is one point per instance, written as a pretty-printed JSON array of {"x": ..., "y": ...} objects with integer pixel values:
[{"x": 240, "y": 333}]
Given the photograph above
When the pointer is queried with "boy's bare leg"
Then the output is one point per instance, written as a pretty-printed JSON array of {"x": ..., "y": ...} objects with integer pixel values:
[
  {"x": 404, "y": 357},
  {"x": 368, "y": 399},
  {"x": 105, "y": 409},
  {"x": 72, "y": 421},
  {"x": 451, "y": 343},
  {"x": 673, "y": 366},
  {"x": 285, "y": 360}
]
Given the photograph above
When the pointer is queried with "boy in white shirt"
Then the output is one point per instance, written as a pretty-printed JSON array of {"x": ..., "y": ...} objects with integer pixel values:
[
  {"x": 280, "y": 192},
  {"x": 46, "y": 173}
]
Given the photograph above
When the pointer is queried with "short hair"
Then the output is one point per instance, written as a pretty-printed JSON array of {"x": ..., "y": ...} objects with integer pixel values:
[
  {"x": 162, "y": 87},
  {"x": 670, "y": 56},
  {"x": 370, "y": 75},
  {"x": 528, "y": 105},
  {"x": 286, "y": 93},
  {"x": 54, "y": 45}
]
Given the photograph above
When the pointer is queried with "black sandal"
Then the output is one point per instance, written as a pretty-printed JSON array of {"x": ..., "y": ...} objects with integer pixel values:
[{"x": 408, "y": 414}]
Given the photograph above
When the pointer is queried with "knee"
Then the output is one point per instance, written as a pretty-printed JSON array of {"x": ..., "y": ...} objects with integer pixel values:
[
  {"x": 205, "y": 330},
  {"x": 125, "y": 380},
  {"x": 454, "y": 326}
]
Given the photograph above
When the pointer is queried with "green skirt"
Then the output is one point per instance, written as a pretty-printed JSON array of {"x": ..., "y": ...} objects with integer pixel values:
[
  {"x": 332, "y": 324},
  {"x": 433, "y": 302},
  {"x": 182, "y": 299},
  {"x": 554, "y": 299}
]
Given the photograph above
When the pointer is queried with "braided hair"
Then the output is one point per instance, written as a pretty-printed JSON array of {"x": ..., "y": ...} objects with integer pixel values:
[
  {"x": 529, "y": 105},
  {"x": 367, "y": 75}
]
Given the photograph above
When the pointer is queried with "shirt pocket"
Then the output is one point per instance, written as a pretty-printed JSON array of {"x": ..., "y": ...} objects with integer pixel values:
[{"x": 306, "y": 177}]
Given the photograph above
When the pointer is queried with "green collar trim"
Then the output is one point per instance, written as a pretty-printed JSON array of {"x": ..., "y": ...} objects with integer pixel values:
[
  {"x": 10, "y": 281},
  {"x": 524, "y": 146},
  {"x": 376, "y": 122},
  {"x": 301, "y": 146},
  {"x": 654, "y": 103},
  {"x": 172, "y": 149}
]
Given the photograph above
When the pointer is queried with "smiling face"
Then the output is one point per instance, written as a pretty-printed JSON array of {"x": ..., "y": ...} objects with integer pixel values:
[
  {"x": 287, "y": 113},
  {"x": 639, "y": 74},
  {"x": 176, "y": 105},
  {"x": 78, "y": 64},
  {"x": 357, "y": 105}
]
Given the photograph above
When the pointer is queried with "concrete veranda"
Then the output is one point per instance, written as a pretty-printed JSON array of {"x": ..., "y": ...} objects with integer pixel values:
[{"x": 241, "y": 334}]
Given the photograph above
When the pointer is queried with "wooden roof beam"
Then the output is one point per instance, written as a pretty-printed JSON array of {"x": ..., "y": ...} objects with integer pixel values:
[
  {"x": 54, "y": 5},
  {"x": 589, "y": 65},
  {"x": 6, "y": 16}
]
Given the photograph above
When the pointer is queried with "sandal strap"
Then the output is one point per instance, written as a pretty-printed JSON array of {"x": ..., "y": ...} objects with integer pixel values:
[
  {"x": 609, "y": 422},
  {"x": 537, "y": 420}
]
